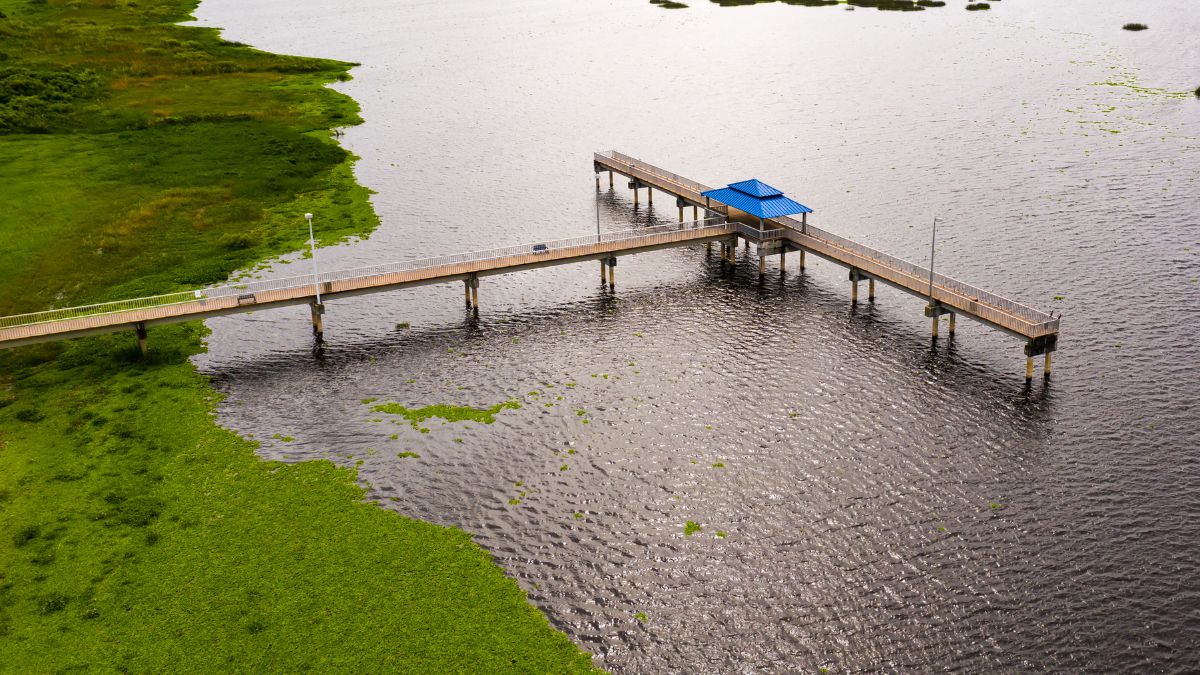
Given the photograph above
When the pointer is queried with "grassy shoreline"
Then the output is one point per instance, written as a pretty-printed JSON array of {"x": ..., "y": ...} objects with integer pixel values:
[{"x": 143, "y": 157}]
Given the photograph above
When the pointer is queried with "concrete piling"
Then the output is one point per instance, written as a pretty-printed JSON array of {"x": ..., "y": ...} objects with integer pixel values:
[
  {"x": 934, "y": 330},
  {"x": 952, "y": 317},
  {"x": 782, "y": 261},
  {"x": 467, "y": 292},
  {"x": 801, "y": 259},
  {"x": 1028, "y": 369},
  {"x": 610, "y": 180},
  {"x": 854, "y": 292},
  {"x": 317, "y": 311},
  {"x": 141, "y": 338},
  {"x": 871, "y": 296},
  {"x": 1046, "y": 371}
]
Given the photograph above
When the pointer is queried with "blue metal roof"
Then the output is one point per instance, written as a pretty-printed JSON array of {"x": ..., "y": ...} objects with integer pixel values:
[
  {"x": 756, "y": 188},
  {"x": 756, "y": 198}
]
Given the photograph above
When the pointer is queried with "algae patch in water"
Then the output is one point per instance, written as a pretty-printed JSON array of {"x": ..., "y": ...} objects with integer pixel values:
[
  {"x": 450, "y": 413},
  {"x": 691, "y": 527}
]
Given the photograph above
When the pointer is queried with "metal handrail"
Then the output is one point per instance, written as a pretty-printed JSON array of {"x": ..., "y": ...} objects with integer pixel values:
[
  {"x": 352, "y": 274},
  {"x": 751, "y": 232},
  {"x": 1041, "y": 320}
]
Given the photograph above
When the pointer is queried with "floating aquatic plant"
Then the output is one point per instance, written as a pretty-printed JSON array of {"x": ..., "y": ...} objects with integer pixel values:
[{"x": 691, "y": 527}]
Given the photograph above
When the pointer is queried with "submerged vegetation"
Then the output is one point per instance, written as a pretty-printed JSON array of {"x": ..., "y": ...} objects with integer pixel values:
[
  {"x": 449, "y": 413},
  {"x": 143, "y": 157},
  {"x": 883, "y": 5}
]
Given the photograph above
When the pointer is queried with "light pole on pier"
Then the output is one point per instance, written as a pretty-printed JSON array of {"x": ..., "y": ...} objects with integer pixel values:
[
  {"x": 312, "y": 247},
  {"x": 932, "y": 243}
]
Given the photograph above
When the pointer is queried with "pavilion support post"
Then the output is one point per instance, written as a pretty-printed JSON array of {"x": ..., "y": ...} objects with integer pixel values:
[
  {"x": 317, "y": 311},
  {"x": 1028, "y": 369},
  {"x": 597, "y": 182},
  {"x": 804, "y": 223},
  {"x": 871, "y": 297},
  {"x": 141, "y": 337},
  {"x": 952, "y": 317},
  {"x": 1046, "y": 370}
]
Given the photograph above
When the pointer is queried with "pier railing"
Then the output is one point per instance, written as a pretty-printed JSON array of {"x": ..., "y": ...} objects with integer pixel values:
[
  {"x": 353, "y": 274},
  {"x": 751, "y": 232},
  {"x": 988, "y": 300},
  {"x": 657, "y": 171}
]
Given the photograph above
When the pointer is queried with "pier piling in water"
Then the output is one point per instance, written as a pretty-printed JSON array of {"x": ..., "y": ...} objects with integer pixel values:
[{"x": 725, "y": 225}]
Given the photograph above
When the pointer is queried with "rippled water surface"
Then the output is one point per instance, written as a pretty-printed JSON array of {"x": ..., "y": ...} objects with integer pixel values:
[{"x": 866, "y": 502}]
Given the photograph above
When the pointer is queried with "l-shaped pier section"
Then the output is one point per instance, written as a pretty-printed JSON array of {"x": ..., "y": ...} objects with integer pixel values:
[
  {"x": 721, "y": 224},
  {"x": 780, "y": 235}
]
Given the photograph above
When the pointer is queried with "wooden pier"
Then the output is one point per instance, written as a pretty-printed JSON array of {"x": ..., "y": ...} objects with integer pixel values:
[
  {"x": 720, "y": 224},
  {"x": 943, "y": 295}
]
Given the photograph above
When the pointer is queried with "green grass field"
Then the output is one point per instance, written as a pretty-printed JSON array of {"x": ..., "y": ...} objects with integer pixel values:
[{"x": 138, "y": 157}]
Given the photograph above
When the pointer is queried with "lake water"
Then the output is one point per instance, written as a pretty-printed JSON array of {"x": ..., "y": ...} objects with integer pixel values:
[{"x": 885, "y": 504}]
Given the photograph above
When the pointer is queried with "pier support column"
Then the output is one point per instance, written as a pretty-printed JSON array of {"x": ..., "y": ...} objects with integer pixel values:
[
  {"x": 141, "y": 337},
  {"x": 802, "y": 259},
  {"x": 649, "y": 196},
  {"x": 474, "y": 282},
  {"x": 317, "y": 311},
  {"x": 610, "y": 180},
  {"x": 635, "y": 195},
  {"x": 681, "y": 214},
  {"x": 603, "y": 273},
  {"x": 762, "y": 265},
  {"x": 782, "y": 262},
  {"x": 612, "y": 273},
  {"x": 695, "y": 212},
  {"x": 1028, "y": 369},
  {"x": 952, "y": 317},
  {"x": 1046, "y": 370},
  {"x": 854, "y": 292},
  {"x": 934, "y": 330},
  {"x": 871, "y": 297},
  {"x": 467, "y": 292}
]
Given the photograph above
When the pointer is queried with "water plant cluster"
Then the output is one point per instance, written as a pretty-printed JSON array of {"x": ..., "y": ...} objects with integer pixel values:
[
  {"x": 883, "y": 5},
  {"x": 143, "y": 157}
]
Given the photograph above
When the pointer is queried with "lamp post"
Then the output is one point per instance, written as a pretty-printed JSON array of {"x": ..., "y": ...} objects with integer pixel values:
[
  {"x": 597, "y": 217},
  {"x": 312, "y": 247},
  {"x": 932, "y": 243}
]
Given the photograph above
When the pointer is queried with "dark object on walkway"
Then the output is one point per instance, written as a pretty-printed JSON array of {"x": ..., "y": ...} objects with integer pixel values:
[{"x": 1135, "y": 26}]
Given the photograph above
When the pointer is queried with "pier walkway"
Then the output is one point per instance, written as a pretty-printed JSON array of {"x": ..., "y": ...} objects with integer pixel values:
[
  {"x": 722, "y": 224},
  {"x": 783, "y": 234}
]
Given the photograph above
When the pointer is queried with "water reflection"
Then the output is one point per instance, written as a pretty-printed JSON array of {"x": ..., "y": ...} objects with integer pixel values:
[{"x": 886, "y": 504}]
